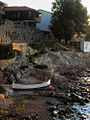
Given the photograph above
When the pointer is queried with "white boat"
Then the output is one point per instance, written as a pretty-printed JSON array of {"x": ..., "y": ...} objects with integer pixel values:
[
  {"x": 86, "y": 78},
  {"x": 31, "y": 86}
]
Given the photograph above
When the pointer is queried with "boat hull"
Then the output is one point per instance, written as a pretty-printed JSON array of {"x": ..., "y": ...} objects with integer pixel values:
[
  {"x": 86, "y": 78},
  {"x": 30, "y": 86}
]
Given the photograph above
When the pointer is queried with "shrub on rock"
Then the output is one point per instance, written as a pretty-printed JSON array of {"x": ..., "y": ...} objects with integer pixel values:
[{"x": 2, "y": 90}]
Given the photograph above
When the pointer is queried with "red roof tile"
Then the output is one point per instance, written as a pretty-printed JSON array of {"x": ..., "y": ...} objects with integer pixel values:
[{"x": 15, "y": 8}]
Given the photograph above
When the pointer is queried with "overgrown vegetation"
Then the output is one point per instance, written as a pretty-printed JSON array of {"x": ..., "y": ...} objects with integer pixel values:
[
  {"x": 19, "y": 105},
  {"x": 87, "y": 33},
  {"x": 2, "y": 90},
  {"x": 6, "y": 51},
  {"x": 41, "y": 46},
  {"x": 3, "y": 4},
  {"x": 36, "y": 65},
  {"x": 69, "y": 16}
]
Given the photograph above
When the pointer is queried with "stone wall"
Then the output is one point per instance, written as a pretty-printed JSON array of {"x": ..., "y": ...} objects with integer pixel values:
[
  {"x": 25, "y": 35},
  {"x": 5, "y": 63},
  {"x": 10, "y": 33},
  {"x": 6, "y": 28}
]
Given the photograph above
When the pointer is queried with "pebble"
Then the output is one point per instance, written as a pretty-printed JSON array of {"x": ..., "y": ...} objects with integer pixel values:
[{"x": 55, "y": 112}]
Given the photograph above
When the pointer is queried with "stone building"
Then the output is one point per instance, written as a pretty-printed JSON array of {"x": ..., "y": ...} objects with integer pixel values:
[
  {"x": 24, "y": 21},
  {"x": 22, "y": 16}
]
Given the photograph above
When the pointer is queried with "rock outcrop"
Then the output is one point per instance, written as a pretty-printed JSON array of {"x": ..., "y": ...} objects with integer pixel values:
[
  {"x": 61, "y": 64},
  {"x": 66, "y": 62}
]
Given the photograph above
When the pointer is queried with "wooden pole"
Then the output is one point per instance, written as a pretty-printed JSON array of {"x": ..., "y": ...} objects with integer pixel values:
[{"x": 42, "y": 74}]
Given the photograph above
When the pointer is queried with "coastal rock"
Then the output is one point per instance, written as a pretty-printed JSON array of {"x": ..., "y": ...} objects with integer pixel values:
[
  {"x": 65, "y": 62},
  {"x": 60, "y": 81},
  {"x": 4, "y": 102}
]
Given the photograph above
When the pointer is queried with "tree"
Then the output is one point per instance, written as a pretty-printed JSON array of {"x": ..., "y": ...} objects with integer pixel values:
[
  {"x": 69, "y": 16},
  {"x": 87, "y": 38},
  {"x": 2, "y": 4}
]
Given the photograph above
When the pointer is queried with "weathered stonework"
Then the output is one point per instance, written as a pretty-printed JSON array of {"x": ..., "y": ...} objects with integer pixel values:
[
  {"x": 25, "y": 35},
  {"x": 6, "y": 28},
  {"x": 5, "y": 63},
  {"x": 9, "y": 33}
]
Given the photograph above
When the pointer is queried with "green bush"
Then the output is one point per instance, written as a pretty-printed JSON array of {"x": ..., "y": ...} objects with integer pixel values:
[
  {"x": 2, "y": 90},
  {"x": 6, "y": 51},
  {"x": 32, "y": 60},
  {"x": 44, "y": 45},
  {"x": 38, "y": 46}
]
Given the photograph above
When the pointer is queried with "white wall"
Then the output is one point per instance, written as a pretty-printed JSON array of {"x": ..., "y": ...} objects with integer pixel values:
[
  {"x": 85, "y": 46},
  {"x": 45, "y": 21}
]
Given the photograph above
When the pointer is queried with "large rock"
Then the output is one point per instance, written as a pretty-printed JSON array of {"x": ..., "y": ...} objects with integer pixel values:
[
  {"x": 66, "y": 62},
  {"x": 19, "y": 69},
  {"x": 60, "y": 81}
]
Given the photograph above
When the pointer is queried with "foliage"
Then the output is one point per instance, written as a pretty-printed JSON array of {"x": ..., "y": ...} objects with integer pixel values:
[
  {"x": 69, "y": 16},
  {"x": 41, "y": 46},
  {"x": 20, "y": 107},
  {"x": 6, "y": 51},
  {"x": 3, "y": 112},
  {"x": 37, "y": 46},
  {"x": 87, "y": 33},
  {"x": 32, "y": 60},
  {"x": 2, "y": 4},
  {"x": 38, "y": 54},
  {"x": 2, "y": 90}
]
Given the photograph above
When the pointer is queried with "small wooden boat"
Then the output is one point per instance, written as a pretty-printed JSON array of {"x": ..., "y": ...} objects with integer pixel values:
[{"x": 31, "y": 86}]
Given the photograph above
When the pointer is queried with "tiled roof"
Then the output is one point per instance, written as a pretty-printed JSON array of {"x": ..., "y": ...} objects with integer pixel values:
[{"x": 16, "y": 8}]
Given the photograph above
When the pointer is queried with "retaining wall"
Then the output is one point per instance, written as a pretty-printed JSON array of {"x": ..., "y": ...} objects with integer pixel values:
[{"x": 5, "y": 63}]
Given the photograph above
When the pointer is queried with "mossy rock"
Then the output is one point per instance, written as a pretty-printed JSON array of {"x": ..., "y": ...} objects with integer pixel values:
[{"x": 2, "y": 90}]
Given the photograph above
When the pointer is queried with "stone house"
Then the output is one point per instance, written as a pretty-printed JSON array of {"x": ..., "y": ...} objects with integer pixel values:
[
  {"x": 23, "y": 26},
  {"x": 24, "y": 20},
  {"x": 22, "y": 16}
]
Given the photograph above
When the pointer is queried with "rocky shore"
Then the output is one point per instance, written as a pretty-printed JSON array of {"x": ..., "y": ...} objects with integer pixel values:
[{"x": 55, "y": 102}]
